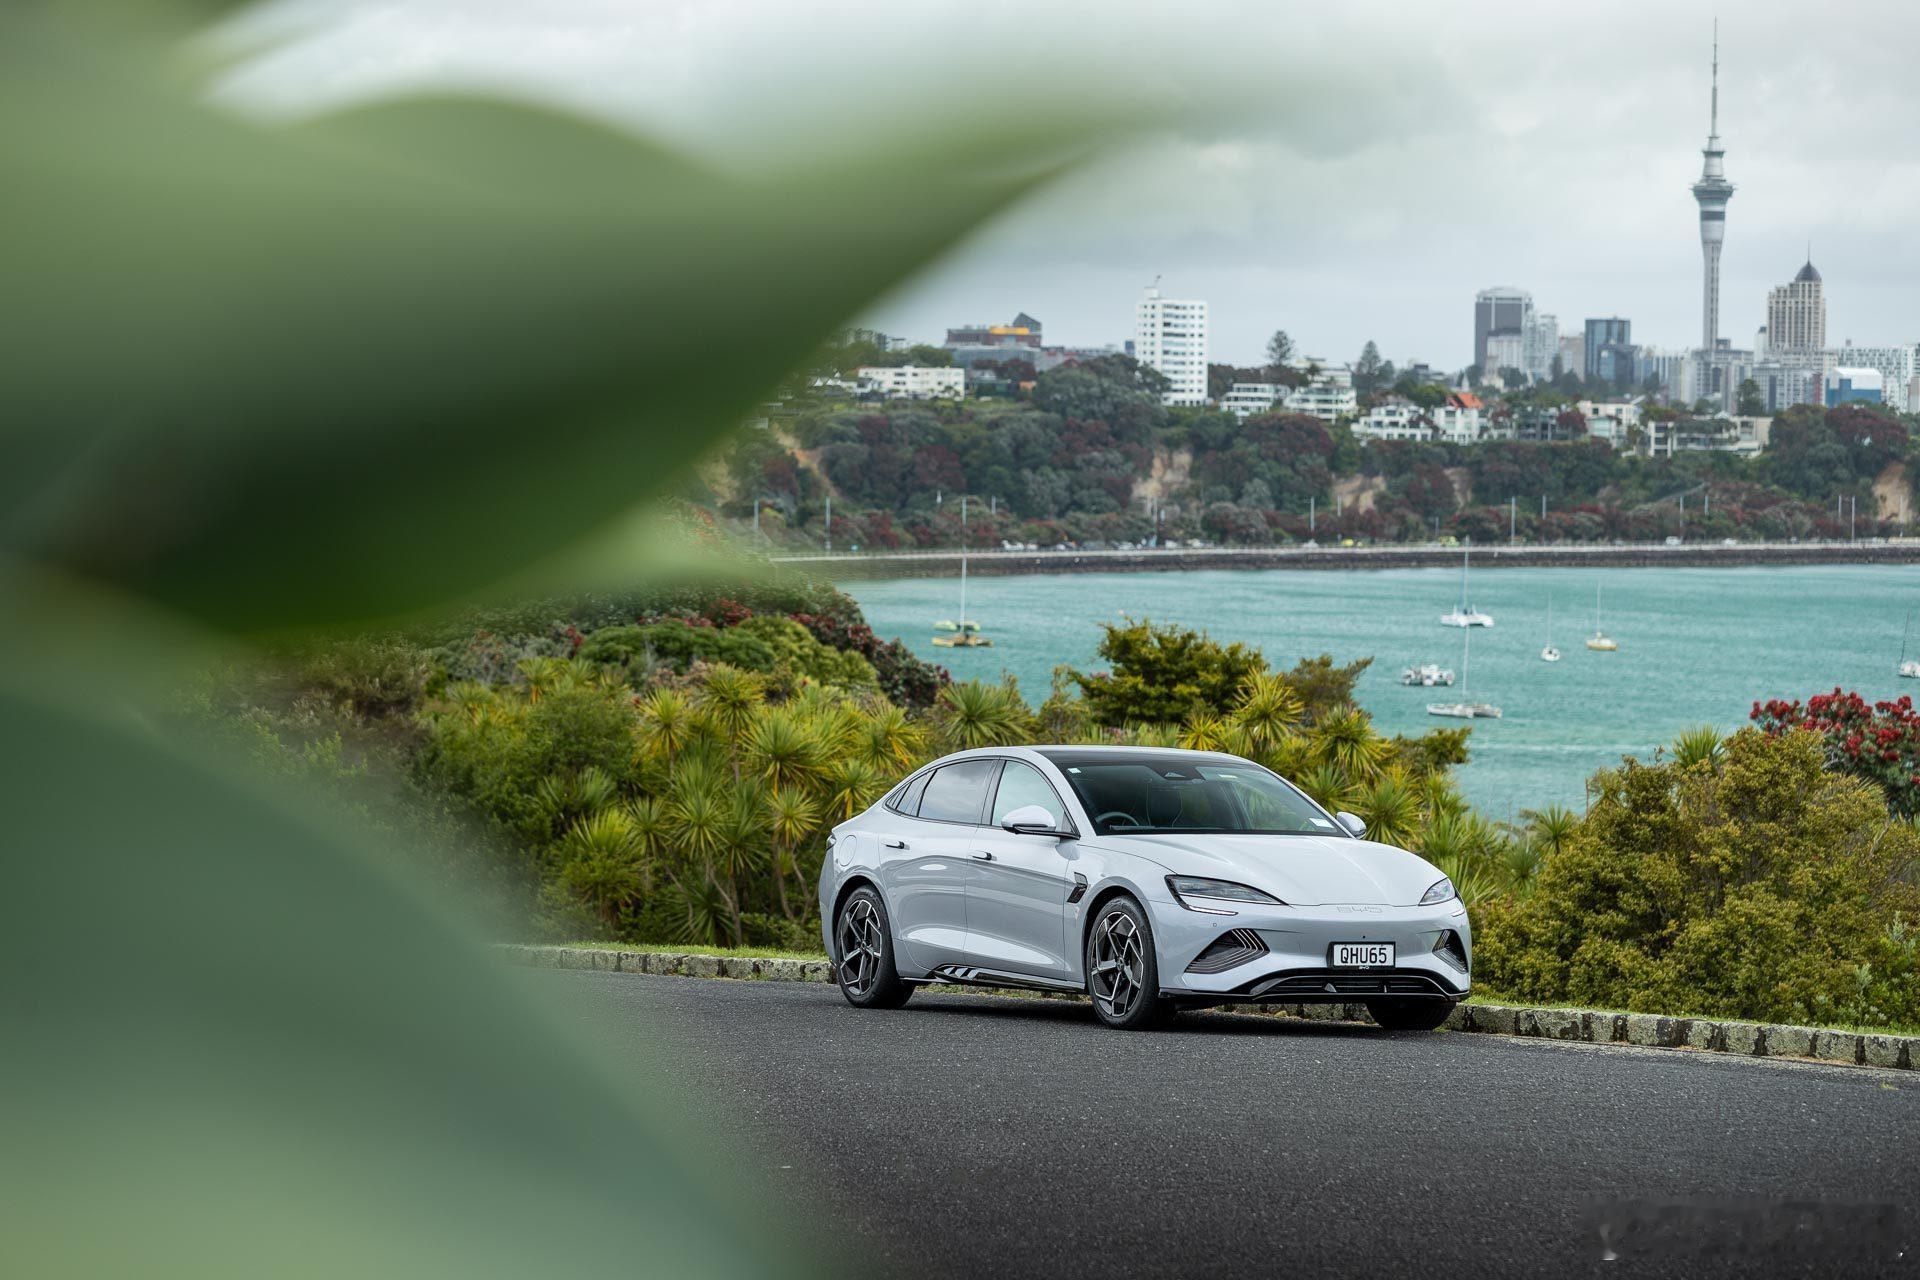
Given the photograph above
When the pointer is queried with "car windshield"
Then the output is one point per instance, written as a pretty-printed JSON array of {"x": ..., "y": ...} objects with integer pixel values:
[{"x": 1138, "y": 794}]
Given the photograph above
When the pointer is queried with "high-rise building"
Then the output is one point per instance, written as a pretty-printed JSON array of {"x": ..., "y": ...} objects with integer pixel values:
[
  {"x": 1540, "y": 344},
  {"x": 1171, "y": 337},
  {"x": 1797, "y": 314},
  {"x": 1498, "y": 311},
  {"x": 1573, "y": 353},
  {"x": 1609, "y": 351},
  {"x": 1795, "y": 362},
  {"x": 1505, "y": 351},
  {"x": 1667, "y": 369},
  {"x": 1712, "y": 193}
]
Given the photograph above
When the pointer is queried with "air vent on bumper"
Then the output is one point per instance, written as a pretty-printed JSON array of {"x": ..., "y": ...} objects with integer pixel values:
[{"x": 1234, "y": 947}]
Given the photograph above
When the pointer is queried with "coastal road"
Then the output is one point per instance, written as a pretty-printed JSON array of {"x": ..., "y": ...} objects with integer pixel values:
[{"x": 973, "y": 1135}]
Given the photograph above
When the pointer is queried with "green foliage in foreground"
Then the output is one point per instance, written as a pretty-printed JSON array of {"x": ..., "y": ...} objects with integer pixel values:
[
  {"x": 1749, "y": 884},
  {"x": 362, "y": 363}
]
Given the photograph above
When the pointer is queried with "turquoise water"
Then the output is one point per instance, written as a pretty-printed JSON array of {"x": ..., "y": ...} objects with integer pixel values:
[{"x": 1697, "y": 646}]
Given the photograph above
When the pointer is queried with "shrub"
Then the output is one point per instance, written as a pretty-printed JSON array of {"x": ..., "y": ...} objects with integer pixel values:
[
  {"x": 368, "y": 677},
  {"x": 1757, "y": 886}
]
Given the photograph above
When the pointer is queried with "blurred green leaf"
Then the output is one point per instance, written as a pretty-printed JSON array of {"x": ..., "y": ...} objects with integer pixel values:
[
  {"x": 235, "y": 1045},
  {"x": 276, "y": 375}
]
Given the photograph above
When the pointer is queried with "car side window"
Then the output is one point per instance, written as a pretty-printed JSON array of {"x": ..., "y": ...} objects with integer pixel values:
[
  {"x": 909, "y": 802},
  {"x": 958, "y": 792},
  {"x": 1022, "y": 785}
]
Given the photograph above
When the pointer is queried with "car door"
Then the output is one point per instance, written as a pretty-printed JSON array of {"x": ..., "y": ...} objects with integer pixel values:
[
  {"x": 1018, "y": 885},
  {"x": 925, "y": 861}
]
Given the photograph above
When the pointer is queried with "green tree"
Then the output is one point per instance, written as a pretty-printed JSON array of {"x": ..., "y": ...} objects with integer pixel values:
[
  {"x": 1279, "y": 354},
  {"x": 1161, "y": 674},
  {"x": 1366, "y": 370},
  {"x": 1751, "y": 405}
]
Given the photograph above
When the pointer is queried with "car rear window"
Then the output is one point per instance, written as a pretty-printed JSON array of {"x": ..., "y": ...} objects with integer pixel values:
[{"x": 908, "y": 801}]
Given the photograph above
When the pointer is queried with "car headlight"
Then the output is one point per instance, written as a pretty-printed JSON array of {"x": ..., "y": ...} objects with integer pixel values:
[
  {"x": 1440, "y": 892},
  {"x": 1196, "y": 893}
]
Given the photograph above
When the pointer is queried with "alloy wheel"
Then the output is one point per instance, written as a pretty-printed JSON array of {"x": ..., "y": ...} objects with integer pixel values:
[
  {"x": 1118, "y": 962},
  {"x": 859, "y": 946}
]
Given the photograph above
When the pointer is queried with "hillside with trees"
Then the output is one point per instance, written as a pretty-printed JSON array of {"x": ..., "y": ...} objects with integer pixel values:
[{"x": 1084, "y": 455}]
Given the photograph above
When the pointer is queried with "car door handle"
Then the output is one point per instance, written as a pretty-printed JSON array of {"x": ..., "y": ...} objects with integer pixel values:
[
  {"x": 896, "y": 844},
  {"x": 981, "y": 855}
]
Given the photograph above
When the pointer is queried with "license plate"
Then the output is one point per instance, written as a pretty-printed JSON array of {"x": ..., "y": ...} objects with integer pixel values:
[{"x": 1363, "y": 955}]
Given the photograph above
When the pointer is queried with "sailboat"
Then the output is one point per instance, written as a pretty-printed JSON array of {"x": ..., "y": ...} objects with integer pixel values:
[
  {"x": 1462, "y": 616},
  {"x": 1464, "y": 710},
  {"x": 1909, "y": 667},
  {"x": 963, "y": 633},
  {"x": 1549, "y": 653},
  {"x": 1600, "y": 640}
]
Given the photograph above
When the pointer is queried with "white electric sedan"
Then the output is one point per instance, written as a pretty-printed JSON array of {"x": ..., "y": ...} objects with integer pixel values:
[{"x": 1151, "y": 879}]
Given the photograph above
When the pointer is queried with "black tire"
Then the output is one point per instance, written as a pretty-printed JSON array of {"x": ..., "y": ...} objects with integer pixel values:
[
  {"x": 1410, "y": 1015},
  {"x": 863, "y": 953},
  {"x": 1123, "y": 976}
]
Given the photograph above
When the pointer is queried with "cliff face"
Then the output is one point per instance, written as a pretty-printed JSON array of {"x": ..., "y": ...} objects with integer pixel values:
[
  {"x": 1167, "y": 475},
  {"x": 1893, "y": 492}
]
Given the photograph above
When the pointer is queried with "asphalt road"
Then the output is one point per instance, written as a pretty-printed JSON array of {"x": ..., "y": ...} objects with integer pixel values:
[{"x": 970, "y": 1135}]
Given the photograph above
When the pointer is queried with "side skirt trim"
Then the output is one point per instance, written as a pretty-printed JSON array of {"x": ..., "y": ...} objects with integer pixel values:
[{"x": 974, "y": 976}]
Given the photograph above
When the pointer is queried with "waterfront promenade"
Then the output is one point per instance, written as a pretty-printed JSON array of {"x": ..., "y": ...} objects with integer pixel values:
[{"x": 945, "y": 561}]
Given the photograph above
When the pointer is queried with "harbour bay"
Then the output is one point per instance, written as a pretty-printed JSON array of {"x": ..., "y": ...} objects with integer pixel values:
[{"x": 1697, "y": 646}]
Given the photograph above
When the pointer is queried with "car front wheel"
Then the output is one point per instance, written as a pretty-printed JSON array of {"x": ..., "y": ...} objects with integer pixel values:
[
  {"x": 1410, "y": 1015},
  {"x": 1122, "y": 975},
  {"x": 863, "y": 953}
]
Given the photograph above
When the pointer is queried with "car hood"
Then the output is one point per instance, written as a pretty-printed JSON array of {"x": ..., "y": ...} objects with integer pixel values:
[{"x": 1302, "y": 871}]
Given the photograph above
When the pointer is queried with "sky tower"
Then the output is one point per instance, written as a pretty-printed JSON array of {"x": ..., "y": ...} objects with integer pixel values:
[{"x": 1712, "y": 192}]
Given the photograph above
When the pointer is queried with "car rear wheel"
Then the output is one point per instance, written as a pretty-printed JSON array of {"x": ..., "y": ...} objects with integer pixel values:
[
  {"x": 1410, "y": 1015},
  {"x": 863, "y": 960},
  {"x": 1122, "y": 975}
]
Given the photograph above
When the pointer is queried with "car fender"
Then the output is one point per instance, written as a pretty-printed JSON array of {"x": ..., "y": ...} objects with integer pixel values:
[{"x": 1109, "y": 871}]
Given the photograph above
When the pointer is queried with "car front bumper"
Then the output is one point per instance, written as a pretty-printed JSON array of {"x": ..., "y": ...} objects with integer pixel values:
[{"x": 1292, "y": 960}]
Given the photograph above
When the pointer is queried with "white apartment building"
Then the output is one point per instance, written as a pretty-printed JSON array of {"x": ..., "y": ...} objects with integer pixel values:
[
  {"x": 1401, "y": 421},
  {"x": 1457, "y": 424},
  {"x": 1245, "y": 399},
  {"x": 1170, "y": 336},
  {"x": 912, "y": 381},
  {"x": 1610, "y": 420},
  {"x": 1895, "y": 365},
  {"x": 1328, "y": 403}
]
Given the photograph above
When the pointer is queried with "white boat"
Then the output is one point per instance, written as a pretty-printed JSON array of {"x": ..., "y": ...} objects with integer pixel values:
[
  {"x": 1462, "y": 615},
  {"x": 1427, "y": 675},
  {"x": 1909, "y": 668},
  {"x": 1599, "y": 641},
  {"x": 963, "y": 633},
  {"x": 1548, "y": 653},
  {"x": 1464, "y": 710}
]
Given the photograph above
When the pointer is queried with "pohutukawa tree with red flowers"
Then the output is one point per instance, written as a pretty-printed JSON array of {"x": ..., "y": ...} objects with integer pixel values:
[{"x": 1878, "y": 741}]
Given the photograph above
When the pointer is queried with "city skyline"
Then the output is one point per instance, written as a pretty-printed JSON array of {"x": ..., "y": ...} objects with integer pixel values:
[{"x": 1379, "y": 170}]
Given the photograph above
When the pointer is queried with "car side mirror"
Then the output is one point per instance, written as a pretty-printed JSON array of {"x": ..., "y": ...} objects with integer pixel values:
[
  {"x": 1353, "y": 822},
  {"x": 1032, "y": 820}
]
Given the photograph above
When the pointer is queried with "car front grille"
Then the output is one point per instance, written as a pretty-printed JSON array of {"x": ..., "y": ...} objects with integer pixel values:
[{"x": 1234, "y": 947}]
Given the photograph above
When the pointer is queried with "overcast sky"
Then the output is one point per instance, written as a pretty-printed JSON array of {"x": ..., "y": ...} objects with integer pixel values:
[{"x": 1346, "y": 175}]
